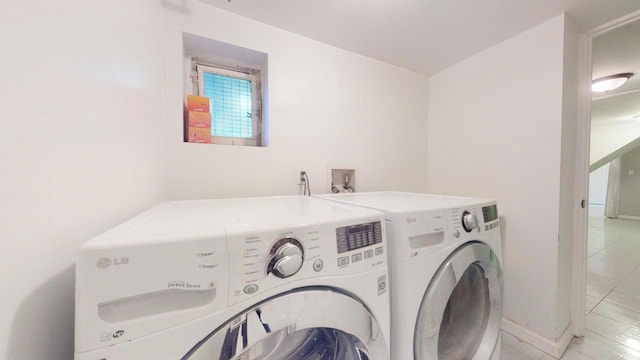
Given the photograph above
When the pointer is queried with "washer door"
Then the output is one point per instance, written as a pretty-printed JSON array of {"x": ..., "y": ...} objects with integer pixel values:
[
  {"x": 317, "y": 323},
  {"x": 461, "y": 311}
]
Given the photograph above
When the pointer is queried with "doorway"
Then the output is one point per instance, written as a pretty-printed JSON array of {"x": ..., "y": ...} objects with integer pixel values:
[{"x": 610, "y": 319}]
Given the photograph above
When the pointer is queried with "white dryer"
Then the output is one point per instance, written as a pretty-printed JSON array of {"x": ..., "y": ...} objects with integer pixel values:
[
  {"x": 244, "y": 279},
  {"x": 446, "y": 277}
]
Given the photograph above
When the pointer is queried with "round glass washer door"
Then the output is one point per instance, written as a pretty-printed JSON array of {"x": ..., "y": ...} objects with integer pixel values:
[
  {"x": 461, "y": 311},
  {"x": 305, "y": 324}
]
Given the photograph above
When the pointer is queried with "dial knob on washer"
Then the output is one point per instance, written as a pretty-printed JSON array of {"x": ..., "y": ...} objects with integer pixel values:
[
  {"x": 287, "y": 256},
  {"x": 469, "y": 221}
]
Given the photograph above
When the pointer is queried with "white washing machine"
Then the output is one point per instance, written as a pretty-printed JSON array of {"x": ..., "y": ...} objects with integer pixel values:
[
  {"x": 260, "y": 278},
  {"x": 446, "y": 278}
]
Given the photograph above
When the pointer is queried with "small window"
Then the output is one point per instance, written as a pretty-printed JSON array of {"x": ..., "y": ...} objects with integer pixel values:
[{"x": 235, "y": 103}]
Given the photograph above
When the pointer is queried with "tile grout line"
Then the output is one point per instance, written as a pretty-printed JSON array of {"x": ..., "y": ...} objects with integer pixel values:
[
  {"x": 614, "y": 289},
  {"x": 621, "y": 238},
  {"x": 613, "y": 340},
  {"x": 614, "y": 243},
  {"x": 614, "y": 320},
  {"x": 600, "y": 301},
  {"x": 585, "y": 355}
]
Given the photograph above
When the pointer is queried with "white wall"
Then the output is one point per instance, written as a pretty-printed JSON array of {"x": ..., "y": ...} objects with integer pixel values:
[
  {"x": 611, "y": 141},
  {"x": 598, "y": 182},
  {"x": 81, "y": 98},
  {"x": 629, "y": 203},
  {"x": 326, "y": 107},
  {"x": 495, "y": 130},
  {"x": 88, "y": 141}
]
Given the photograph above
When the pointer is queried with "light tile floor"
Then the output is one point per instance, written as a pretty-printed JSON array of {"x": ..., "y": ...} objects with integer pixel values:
[{"x": 613, "y": 296}]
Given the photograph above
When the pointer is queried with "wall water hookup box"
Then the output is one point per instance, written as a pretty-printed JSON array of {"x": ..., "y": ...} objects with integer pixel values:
[{"x": 342, "y": 180}]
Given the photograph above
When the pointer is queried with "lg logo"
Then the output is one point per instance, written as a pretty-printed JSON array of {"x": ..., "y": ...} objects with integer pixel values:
[
  {"x": 411, "y": 220},
  {"x": 105, "y": 262},
  {"x": 108, "y": 336}
]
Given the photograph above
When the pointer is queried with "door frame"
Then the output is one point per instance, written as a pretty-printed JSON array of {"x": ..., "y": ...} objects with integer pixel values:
[{"x": 583, "y": 144}]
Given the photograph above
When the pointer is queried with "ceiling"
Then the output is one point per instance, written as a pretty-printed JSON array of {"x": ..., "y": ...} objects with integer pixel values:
[
  {"x": 616, "y": 52},
  {"x": 616, "y": 109},
  {"x": 425, "y": 36}
]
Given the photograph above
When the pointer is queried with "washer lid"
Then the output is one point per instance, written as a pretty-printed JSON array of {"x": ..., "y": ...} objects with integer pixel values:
[
  {"x": 461, "y": 311},
  {"x": 400, "y": 202},
  {"x": 219, "y": 217},
  {"x": 314, "y": 323}
]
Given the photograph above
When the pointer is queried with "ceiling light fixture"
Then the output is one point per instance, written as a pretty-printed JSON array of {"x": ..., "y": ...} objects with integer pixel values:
[{"x": 608, "y": 83}]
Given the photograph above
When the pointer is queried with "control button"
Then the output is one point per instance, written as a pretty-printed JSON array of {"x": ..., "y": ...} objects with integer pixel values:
[
  {"x": 493, "y": 225},
  {"x": 379, "y": 250},
  {"x": 486, "y": 228},
  {"x": 342, "y": 261},
  {"x": 356, "y": 257},
  {"x": 318, "y": 265},
  {"x": 250, "y": 289},
  {"x": 456, "y": 234},
  {"x": 368, "y": 254},
  {"x": 382, "y": 284}
]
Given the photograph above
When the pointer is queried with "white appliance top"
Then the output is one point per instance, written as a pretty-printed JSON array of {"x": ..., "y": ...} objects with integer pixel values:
[
  {"x": 400, "y": 202},
  {"x": 224, "y": 216}
]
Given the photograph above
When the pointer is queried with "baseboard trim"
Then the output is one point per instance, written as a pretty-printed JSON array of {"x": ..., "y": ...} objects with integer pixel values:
[
  {"x": 553, "y": 348},
  {"x": 628, "y": 217}
]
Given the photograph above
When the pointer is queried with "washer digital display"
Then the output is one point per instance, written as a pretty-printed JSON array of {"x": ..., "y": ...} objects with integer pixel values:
[
  {"x": 490, "y": 213},
  {"x": 358, "y": 236}
]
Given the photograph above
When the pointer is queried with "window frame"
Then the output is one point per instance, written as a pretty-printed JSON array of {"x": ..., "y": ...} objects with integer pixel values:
[{"x": 237, "y": 72}]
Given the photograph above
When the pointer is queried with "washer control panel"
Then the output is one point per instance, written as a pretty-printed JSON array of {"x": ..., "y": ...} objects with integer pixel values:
[
  {"x": 424, "y": 233},
  {"x": 479, "y": 219},
  {"x": 358, "y": 236},
  {"x": 490, "y": 217},
  {"x": 259, "y": 262},
  {"x": 359, "y": 242}
]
